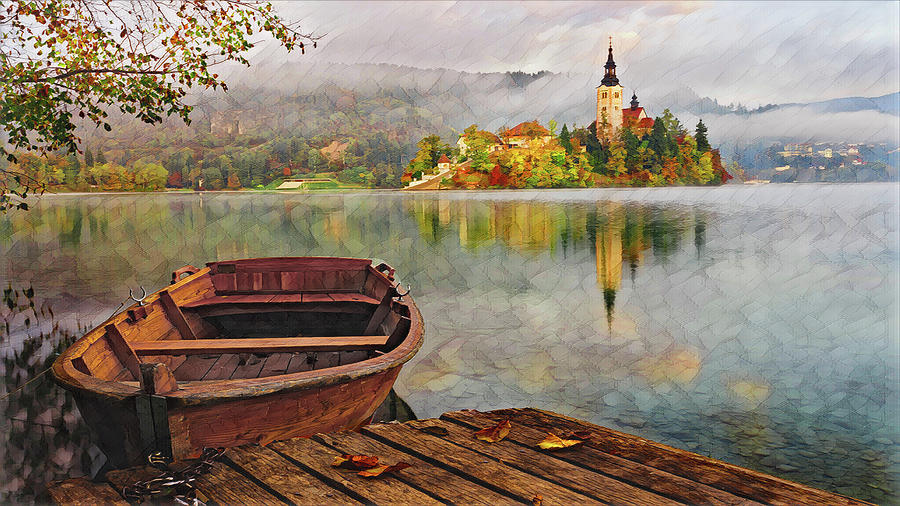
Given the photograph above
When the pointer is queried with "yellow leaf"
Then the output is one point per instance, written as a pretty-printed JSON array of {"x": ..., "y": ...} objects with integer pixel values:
[{"x": 554, "y": 442}]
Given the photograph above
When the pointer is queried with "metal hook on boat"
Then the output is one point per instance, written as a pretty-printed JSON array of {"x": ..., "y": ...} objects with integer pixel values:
[
  {"x": 401, "y": 295},
  {"x": 140, "y": 301}
]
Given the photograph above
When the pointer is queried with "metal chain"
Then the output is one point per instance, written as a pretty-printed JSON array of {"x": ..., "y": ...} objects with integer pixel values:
[{"x": 179, "y": 484}]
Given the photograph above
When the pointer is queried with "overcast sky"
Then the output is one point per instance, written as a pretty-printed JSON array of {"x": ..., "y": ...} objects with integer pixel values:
[{"x": 749, "y": 52}]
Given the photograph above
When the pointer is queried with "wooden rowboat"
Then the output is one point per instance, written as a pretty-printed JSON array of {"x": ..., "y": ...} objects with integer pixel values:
[{"x": 244, "y": 351}]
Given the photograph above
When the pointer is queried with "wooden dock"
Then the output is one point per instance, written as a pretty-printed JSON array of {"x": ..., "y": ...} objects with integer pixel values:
[{"x": 449, "y": 465}]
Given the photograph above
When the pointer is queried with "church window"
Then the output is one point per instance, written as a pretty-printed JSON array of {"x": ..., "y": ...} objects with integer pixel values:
[
  {"x": 616, "y": 95},
  {"x": 604, "y": 94},
  {"x": 604, "y": 109}
]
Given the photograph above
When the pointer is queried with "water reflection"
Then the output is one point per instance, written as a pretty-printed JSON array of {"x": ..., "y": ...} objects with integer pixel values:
[{"x": 764, "y": 338}]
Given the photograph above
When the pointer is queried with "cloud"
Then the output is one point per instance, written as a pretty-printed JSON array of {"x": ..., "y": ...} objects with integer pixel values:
[{"x": 752, "y": 52}]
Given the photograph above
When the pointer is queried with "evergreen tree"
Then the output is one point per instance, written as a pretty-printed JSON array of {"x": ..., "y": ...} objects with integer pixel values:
[
  {"x": 100, "y": 158},
  {"x": 631, "y": 144},
  {"x": 565, "y": 139},
  {"x": 88, "y": 158},
  {"x": 702, "y": 142},
  {"x": 659, "y": 140}
]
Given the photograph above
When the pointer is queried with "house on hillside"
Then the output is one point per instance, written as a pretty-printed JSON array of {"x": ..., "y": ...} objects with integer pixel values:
[
  {"x": 443, "y": 163},
  {"x": 524, "y": 134}
]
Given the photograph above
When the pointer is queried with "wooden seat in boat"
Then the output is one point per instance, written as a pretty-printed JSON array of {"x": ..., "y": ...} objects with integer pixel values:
[
  {"x": 290, "y": 298},
  {"x": 258, "y": 345}
]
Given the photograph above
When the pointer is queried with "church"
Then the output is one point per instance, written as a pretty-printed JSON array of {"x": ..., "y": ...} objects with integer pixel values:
[{"x": 611, "y": 116}]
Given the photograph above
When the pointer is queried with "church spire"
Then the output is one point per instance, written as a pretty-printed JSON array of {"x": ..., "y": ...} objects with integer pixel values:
[
  {"x": 634, "y": 101},
  {"x": 609, "y": 77}
]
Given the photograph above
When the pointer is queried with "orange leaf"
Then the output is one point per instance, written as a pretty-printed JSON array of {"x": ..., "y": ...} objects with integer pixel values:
[
  {"x": 537, "y": 500},
  {"x": 355, "y": 461},
  {"x": 494, "y": 433},
  {"x": 554, "y": 442},
  {"x": 383, "y": 469},
  {"x": 578, "y": 434}
]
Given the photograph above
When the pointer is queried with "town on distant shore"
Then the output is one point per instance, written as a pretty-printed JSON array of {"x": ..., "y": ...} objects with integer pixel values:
[{"x": 623, "y": 146}]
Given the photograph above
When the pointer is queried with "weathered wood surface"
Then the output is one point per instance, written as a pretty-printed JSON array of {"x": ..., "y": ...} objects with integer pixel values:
[
  {"x": 451, "y": 466},
  {"x": 81, "y": 491},
  {"x": 258, "y": 345}
]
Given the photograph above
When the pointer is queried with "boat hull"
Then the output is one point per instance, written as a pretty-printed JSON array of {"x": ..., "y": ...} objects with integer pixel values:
[{"x": 260, "y": 420}]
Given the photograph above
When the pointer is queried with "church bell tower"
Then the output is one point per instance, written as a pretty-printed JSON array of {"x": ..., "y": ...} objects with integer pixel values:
[{"x": 609, "y": 100}]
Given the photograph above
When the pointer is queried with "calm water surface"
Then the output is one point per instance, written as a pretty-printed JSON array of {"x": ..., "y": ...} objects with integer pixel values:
[{"x": 758, "y": 325}]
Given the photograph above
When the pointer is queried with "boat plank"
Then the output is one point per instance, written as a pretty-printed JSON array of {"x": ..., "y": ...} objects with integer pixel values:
[
  {"x": 315, "y": 457},
  {"x": 300, "y": 362},
  {"x": 224, "y": 485},
  {"x": 474, "y": 466},
  {"x": 258, "y": 345},
  {"x": 276, "y": 364},
  {"x": 722, "y": 475},
  {"x": 438, "y": 481},
  {"x": 282, "y": 476},
  {"x": 649, "y": 478},
  {"x": 317, "y": 297},
  {"x": 351, "y": 357},
  {"x": 81, "y": 491},
  {"x": 195, "y": 367},
  {"x": 223, "y": 368},
  {"x": 287, "y": 298},
  {"x": 314, "y": 280},
  {"x": 249, "y": 367}
]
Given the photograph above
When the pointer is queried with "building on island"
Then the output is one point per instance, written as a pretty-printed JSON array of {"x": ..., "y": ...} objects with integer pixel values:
[
  {"x": 611, "y": 116},
  {"x": 525, "y": 133},
  {"x": 443, "y": 163}
]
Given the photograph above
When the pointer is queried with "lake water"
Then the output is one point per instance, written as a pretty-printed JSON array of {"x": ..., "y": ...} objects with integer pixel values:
[{"x": 758, "y": 325}]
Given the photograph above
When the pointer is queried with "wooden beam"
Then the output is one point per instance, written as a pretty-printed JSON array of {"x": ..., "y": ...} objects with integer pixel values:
[
  {"x": 175, "y": 316},
  {"x": 380, "y": 312},
  {"x": 259, "y": 345},
  {"x": 122, "y": 350}
]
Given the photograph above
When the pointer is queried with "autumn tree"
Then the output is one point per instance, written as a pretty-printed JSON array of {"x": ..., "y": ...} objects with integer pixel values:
[
  {"x": 702, "y": 142},
  {"x": 63, "y": 61}
]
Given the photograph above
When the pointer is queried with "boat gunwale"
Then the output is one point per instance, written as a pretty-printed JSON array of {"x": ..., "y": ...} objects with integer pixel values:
[{"x": 200, "y": 392}]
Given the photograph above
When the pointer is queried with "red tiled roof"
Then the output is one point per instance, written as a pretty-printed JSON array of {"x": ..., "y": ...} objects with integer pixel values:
[
  {"x": 444, "y": 159},
  {"x": 646, "y": 123},
  {"x": 519, "y": 130},
  {"x": 632, "y": 113}
]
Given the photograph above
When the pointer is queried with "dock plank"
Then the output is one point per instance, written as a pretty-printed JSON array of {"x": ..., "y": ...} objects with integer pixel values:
[
  {"x": 646, "y": 477},
  {"x": 284, "y": 477},
  {"x": 249, "y": 366},
  {"x": 474, "y": 466},
  {"x": 598, "y": 486},
  {"x": 81, "y": 491},
  {"x": 722, "y": 475},
  {"x": 441, "y": 483},
  {"x": 316, "y": 458},
  {"x": 224, "y": 485}
]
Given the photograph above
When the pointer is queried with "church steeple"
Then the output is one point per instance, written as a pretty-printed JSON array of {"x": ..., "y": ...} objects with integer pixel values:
[
  {"x": 609, "y": 77},
  {"x": 634, "y": 101}
]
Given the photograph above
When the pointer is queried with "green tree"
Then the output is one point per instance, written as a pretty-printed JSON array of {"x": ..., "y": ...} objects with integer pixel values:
[
  {"x": 564, "y": 139},
  {"x": 702, "y": 142},
  {"x": 101, "y": 158},
  {"x": 88, "y": 158}
]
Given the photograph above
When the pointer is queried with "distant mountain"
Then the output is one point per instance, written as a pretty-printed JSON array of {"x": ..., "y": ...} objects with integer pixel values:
[{"x": 888, "y": 104}]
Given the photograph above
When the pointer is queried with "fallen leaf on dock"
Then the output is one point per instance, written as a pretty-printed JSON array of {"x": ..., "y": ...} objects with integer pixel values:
[
  {"x": 537, "y": 500},
  {"x": 554, "y": 442},
  {"x": 383, "y": 469},
  {"x": 494, "y": 433},
  {"x": 355, "y": 461},
  {"x": 436, "y": 430}
]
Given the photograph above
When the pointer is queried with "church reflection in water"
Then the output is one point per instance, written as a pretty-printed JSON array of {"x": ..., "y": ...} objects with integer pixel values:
[{"x": 618, "y": 234}]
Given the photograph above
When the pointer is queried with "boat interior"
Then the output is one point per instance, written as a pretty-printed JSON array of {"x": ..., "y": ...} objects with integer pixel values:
[{"x": 251, "y": 319}]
